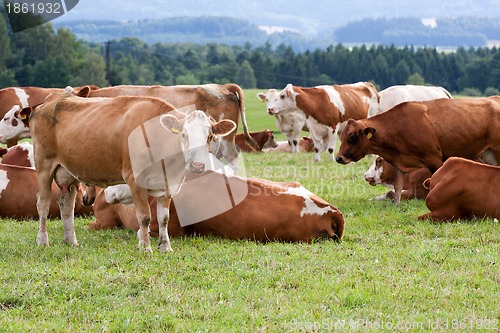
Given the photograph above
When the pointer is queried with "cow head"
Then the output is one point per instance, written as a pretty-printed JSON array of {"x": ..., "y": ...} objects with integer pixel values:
[
  {"x": 15, "y": 124},
  {"x": 196, "y": 131},
  {"x": 270, "y": 142},
  {"x": 374, "y": 174},
  {"x": 279, "y": 102},
  {"x": 355, "y": 142}
]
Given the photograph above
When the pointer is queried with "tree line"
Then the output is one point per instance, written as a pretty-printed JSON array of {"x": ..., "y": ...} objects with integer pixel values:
[{"x": 44, "y": 57}]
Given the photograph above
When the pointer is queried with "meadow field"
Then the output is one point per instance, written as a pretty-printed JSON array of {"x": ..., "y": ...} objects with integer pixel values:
[{"x": 391, "y": 272}]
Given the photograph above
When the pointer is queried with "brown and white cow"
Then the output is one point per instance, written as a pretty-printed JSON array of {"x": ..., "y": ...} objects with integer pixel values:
[
  {"x": 21, "y": 155},
  {"x": 18, "y": 188},
  {"x": 394, "y": 95},
  {"x": 14, "y": 99},
  {"x": 259, "y": 216},
  {"x": 414, "y": 135},
  {"x": 219, "y": 101},
  {"x": 383, "y": 173},
  {"x": 329, "y": 106},
  {"x": 141, "y": 141},
  {"x": 291, "y": 124},
  {"x": 463, "y": 189},
  {"x": 264, "y": 139},
  {"x": 305, "y": 145}
]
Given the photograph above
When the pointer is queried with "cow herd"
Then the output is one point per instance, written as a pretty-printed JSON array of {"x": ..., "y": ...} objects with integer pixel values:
[{"x": 148, "y": 158}]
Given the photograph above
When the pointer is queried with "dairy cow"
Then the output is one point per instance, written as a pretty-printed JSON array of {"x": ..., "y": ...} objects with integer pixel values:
[
  {"x": 264, "y": 140},
  {"x": 14, "y": 99},
  {"x": 413, "y": 135},
  {"x": 383, "y": 173},
  {"x": 305, "y": 145},
  {"x": 141, "y": 141},
  {"x": 329, "y": 106},
  {"x": 18, "y": 188},
  {"x": 21, "y": 155},
  {"x": 463, "y": 189},
  {"x": 395, "y": 95},
  {"x": 260, "y": 216}
]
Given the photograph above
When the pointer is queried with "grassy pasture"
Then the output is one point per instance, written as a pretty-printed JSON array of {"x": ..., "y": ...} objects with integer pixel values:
[{"x": 390, "y": 273}]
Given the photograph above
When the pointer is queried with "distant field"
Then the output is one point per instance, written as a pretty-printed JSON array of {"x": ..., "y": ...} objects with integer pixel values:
[{"x": 390, "y": 273}]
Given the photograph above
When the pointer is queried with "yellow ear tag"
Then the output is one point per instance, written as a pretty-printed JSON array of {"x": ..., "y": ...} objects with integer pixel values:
[
  {"x": 369, "y": 136},
  {"x": 263, "y": 100},
  {"x": 175, "y": 130},
  {"x": 23, "y": 116}
]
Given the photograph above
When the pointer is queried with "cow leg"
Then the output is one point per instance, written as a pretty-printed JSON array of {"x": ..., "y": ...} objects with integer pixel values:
[
  {"x": 143, "y": 213},
  {"x": 398, "y": 185},
  {"x": 66, "y": 201},
  {"x": 332, "y": 141},
  {"x": 163, "y": 215},
  {"x": 318, "y": 144},
  {"x": 43, "y": 205},
  {"x": 293, "y": 141},
  {"x": 228, "y": 149}
]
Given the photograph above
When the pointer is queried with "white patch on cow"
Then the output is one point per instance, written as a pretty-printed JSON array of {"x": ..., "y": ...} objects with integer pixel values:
[
  {"x": 375, "y": 173},
  {"x": 28, "y": 148},
  {"x": 310, "y": 206},
  {"x": 334, "y": 96},
  {"x": 22, "y": 96},
  {"x": 118, "y": 194},
  {"x": 213, "y": 90},
  {"x": 9, "y": 130},
  {"x": 4, "y": 181}
]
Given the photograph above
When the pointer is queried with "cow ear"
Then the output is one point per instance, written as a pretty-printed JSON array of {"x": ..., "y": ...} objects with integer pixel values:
[
  {"x": 223, "y": 127},
  {"x": 262, "y": 97},
  {"x": 3, "y": 151},
  {"x": 25, "y": 113},
  {"x": 84, "y": 92},
  {"x": 369, "y": 132},
  {"x": 170, "y": 123},
  {"x": 306, "y": 138},
  {"x": 351, "y": 121}
]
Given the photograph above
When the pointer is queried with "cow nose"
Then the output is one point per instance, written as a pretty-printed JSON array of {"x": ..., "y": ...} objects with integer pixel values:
[
  {"x": 270, "y": 111},
  {"x": 340, "y": 160},
  {"x": 196, "y": 167}
]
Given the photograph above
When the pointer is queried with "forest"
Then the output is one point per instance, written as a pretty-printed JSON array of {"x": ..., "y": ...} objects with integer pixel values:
[{"x": 45, "y": 57}]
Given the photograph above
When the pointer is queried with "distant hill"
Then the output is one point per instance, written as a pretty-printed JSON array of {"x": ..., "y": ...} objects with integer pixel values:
[{"x": 440, "y": 32}]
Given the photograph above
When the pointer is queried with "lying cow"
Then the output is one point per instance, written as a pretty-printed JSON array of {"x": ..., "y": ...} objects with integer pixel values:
[
  {"x": 381, "y": 172},
  {"x": 291, "y": 124},
  {"x": 414, "y": 135},
  {"x": 21, "y": 155},
  {"x": 259, "y": 216},
  {"x": 141, "y": 141},
  {"x": 305, "y": 145},
  {"x": 463, "y": 189},
  {"x": 394, "y": 95},
  {"x": 264, "y": 139},
  {"x": 18, "y": 188},
  {"x": 329, "y": 106}
]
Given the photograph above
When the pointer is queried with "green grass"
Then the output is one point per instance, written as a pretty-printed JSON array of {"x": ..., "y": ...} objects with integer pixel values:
[{"x": 390, "y": 273}]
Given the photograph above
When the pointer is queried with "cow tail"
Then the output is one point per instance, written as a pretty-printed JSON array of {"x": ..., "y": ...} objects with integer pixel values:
[{"x": 236, "y": 89}]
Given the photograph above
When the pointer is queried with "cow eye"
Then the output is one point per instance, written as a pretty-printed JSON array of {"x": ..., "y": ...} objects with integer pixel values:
[
  {"x": 282, "y": 96},
  {"x": 352, "y": 139}
]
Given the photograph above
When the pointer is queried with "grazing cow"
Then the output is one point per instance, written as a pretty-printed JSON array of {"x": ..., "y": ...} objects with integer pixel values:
[
  {"x": 16, "y": 98},
  {"x": 305, "y": 145},
  {"x": 18, "y": 188},
  {"x": 381, "y": 172},
  {"x": 327, "y": 105},
  {"x": 291, "y": 124},
  {"x": 141, "y": 141},
  {"x": 264, "y": 139},
  {"x": 463, "y": 189},
  {"x": 21, "y": 155},
  {"x": 219, "y": 101},
  {"x": 259, "y": 216},
  {"x": 413, "y": 135},
  {"x": 395, "y": 95}
]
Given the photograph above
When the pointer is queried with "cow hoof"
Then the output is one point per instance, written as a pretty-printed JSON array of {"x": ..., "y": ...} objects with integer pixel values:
[
  {"x": 42, "y": 239},
  {"x": 165, "y": 248}
]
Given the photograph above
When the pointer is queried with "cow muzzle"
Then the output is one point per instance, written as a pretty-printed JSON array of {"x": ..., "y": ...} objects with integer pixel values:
[
  {"x": 342, "y": 160},
  {"x": 196, "y": 167},
  {"x": 371, "y": 181}
]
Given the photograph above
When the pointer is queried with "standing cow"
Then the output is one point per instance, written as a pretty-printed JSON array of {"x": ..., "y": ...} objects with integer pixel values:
[
  {"x": 329, "y": 106},
  {"x": 413, "y": 135},
  {"x": 106, "y": 141},
  {"x": 394, "y": 95}
]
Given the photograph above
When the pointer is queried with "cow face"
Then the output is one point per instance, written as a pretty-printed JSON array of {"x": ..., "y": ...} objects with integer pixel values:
[
  {"x": 196, "y": 131},
  {"x": 14, "y": 124},
  {"x": 374, "y": 174},
  {"x": 280, "y": 102},
  {"x": 355, "y": 142}
]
